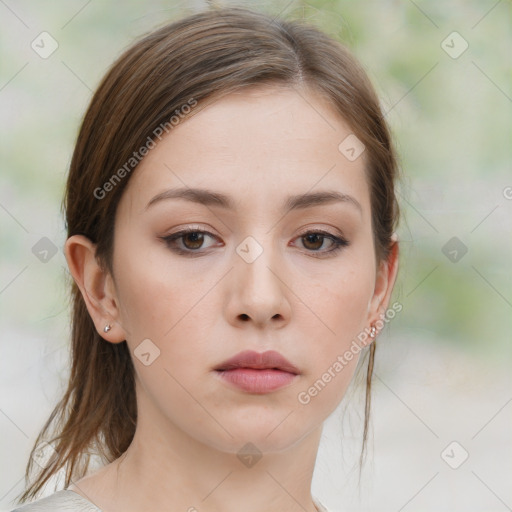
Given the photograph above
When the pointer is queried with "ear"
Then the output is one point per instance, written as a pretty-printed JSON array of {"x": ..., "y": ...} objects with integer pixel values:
[
  {"x": 384, "y": 284},
  {"x": 96, "y": 285}
]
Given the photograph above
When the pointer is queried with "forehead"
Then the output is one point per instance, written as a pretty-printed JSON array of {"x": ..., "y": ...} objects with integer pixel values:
[{"x": 256, "y": 145}]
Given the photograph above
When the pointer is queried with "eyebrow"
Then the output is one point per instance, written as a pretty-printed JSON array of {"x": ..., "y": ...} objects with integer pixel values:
[{"x": 297, "y": 202}]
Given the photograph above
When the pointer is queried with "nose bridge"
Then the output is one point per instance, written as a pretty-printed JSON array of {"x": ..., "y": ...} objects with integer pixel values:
[
  {"x": 255, "y": 256},
  {"x": 261, "y": 293}
]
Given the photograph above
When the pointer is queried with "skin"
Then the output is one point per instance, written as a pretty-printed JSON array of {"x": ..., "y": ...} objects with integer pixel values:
[{"x": 257, "y": 146}]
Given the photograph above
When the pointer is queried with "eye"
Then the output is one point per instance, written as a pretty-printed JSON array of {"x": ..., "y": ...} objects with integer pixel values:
[
  {"x": 314, "y": 241},
  {"x": 191, "y": 241}
]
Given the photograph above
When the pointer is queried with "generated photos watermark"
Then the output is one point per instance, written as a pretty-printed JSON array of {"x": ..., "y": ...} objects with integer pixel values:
[
  {"x": 357, "y": 345},
  {"x": 137, "y": 156}
]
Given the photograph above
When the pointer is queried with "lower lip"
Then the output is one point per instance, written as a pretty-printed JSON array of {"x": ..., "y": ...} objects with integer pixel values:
[{"x": 257, "y": 381}]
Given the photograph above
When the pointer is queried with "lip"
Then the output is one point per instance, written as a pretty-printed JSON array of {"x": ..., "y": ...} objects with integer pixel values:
[{"x": 256, "y": 372}]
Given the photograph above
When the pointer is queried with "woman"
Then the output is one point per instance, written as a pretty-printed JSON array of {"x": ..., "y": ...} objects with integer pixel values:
[{"x": 231, "y": 211}]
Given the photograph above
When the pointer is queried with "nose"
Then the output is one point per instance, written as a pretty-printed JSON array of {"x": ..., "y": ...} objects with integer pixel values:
[{"x": 258, "y": 289}]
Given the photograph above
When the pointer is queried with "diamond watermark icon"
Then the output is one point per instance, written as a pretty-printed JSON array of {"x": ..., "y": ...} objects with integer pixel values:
[
  {"x": 43, "y": 454},
  {"x": 44, "y": 250},
  {"x": 249, "y": 249},
  {"x": 249, "y": 455},
  {"x": 454, "y": 249},
  {"x": 146, "y": 352},
  {"x": 454, "y": 45},
  {"x": 351, "y": 147},
  {"x": 44, "y": 45},
  {"x": 454, "y": 455}
]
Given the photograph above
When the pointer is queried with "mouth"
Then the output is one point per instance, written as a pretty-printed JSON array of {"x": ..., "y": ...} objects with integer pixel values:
[{"x": 258, "y": 373}]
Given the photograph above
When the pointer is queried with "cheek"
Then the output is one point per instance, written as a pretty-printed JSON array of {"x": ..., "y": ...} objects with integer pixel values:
[
  {"x": 342, "y": 308},
  {"x": 167, "y": 303},
  {"x": 141, "y": 300},
  {"x": 150, "y": 292},
  {"x": 339, "y": 302}
]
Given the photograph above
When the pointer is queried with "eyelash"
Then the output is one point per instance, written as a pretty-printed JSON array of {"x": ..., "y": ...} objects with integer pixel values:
[{"x": 338, "y": 242}]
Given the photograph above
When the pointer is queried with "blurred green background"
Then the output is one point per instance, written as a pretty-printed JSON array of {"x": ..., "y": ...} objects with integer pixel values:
[{"x": 450, "y": 114}]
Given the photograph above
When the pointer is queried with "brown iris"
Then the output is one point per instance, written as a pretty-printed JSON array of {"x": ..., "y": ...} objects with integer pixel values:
[
  {"x": 196, "y": 239},
  {"x": 315, "y": 239}
]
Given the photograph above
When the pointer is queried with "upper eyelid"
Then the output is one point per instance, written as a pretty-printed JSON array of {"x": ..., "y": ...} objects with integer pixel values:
[
  {"x": 308, "y": 229},
  {"x": 187, "y": 230}
]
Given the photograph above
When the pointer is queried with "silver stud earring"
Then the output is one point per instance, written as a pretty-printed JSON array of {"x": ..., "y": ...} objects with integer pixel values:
[
  {"x": 107, "y": 328},
  {"x": 373, "y": 332}
]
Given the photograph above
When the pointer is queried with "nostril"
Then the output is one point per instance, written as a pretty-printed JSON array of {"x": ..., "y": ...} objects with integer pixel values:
[{"x": 244, "y": 316}]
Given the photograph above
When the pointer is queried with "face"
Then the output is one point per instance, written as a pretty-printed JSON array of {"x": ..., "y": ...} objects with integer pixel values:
[{"x": 260, "y": 268}]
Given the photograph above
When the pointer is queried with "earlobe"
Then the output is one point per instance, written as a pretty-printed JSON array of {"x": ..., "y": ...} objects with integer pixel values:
[{"x": 96, "y": 286}]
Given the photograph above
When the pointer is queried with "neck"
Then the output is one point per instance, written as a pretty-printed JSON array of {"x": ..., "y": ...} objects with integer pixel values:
[{"x": 165, "y": 468}]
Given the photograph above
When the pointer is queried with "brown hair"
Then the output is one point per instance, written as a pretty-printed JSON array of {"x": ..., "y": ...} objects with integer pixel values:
[{"x": 204, "y": 55}]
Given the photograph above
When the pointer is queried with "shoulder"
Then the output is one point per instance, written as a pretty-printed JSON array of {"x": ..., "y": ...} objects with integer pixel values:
[
  {"x": 70, "y": 501},
  {"x": 64, "y": 500},
  {"x": 321, "y": 507}
]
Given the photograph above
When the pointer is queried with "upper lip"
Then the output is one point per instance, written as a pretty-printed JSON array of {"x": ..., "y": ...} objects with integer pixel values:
[{"x": 260, "y": 361}]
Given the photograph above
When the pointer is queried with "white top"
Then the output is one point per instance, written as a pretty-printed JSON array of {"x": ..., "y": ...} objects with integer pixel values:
[
  {"x": 60, "y": 501},
  {"x": 70, "y": 501}
]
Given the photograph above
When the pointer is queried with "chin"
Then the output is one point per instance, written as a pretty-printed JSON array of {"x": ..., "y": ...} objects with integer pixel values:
[{"x": 268, "y": 431}]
